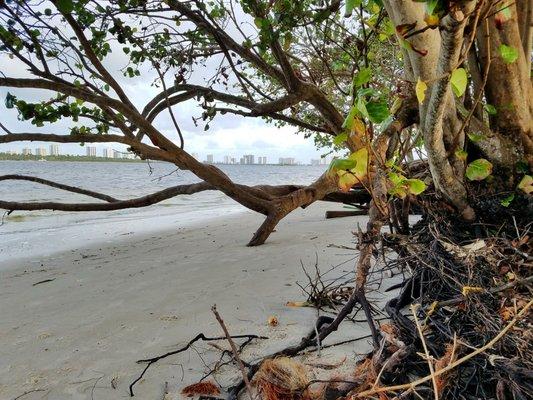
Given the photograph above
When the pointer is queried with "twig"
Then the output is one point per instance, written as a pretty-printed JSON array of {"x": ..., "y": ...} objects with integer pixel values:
[
  {"x": 46, "y": 280},
  {"x": 451, "y": 366},
  {"x": 200, "y": 336},
  {"x": 428, "y": 357},
  {"x": 234, "y": 349}
]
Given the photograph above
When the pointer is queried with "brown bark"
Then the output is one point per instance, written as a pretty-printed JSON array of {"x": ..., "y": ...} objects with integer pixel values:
[{"x": 509, "y": 86}]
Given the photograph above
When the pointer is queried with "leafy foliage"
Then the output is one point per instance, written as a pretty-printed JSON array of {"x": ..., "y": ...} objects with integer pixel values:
[{"x": 478, "y": 170}]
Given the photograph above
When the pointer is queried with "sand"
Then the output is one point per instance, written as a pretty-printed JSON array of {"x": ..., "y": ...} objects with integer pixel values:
[{"x": 78, "y": 336}]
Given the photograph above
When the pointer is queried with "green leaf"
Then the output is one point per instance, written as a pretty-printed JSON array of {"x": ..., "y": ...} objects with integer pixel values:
[
  {"x": 10, "y": 100},
  {"x": 459, "y": 81},
  {"x": 378, "y": 111},
  {"x": 508, "y": 200},
  {"x": 350, "y": 5},
  {"x": 490, "y": 109},
  {"x": 416, "y": 186},
  {"x": 361, "y": 107},
  {"x": 431, "y": 6},
  {"x": 339, "y": 164},
  {"x": 340, "y": 138},
  {"x": 509, "y": 53},
  {"x": 476, "y": 137},
  {"x": 362, "y": 76},
  {"x": 361, "y": 158},
  {"x": 397, "y": 179},
  {"x": 65, "y": 6},
  {"x": 349, "y": 121},
  {"x": 478, "y": 169}
]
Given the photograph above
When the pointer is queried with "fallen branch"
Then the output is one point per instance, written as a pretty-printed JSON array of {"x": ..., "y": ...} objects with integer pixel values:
[
  {"x": 234, "y": 349},
  {"x": 200, "y": 336}
]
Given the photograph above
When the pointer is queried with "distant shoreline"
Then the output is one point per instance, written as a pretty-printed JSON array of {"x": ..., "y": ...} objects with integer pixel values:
[
  {"x": 67, "y": 158},
  {"x": 20, "y": 157}
]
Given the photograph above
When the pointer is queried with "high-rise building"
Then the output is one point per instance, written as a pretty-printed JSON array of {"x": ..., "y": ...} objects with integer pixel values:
[
  {"x": 248, "y": 159},
  {"x": 91, "y": 151},
  {"x": 107, "y": 152},
  {"x": 26, "y": 151},
  {"x": 287, "y": 161},
  {"x": 117, "y": 154},
  {"x": 40, "y": 151},
  {"x": 227, "y": 160},
  {"x": 54, "y": 149},
  {"x": 261, "y": 160},
  {"x": 210, "y": 158}
]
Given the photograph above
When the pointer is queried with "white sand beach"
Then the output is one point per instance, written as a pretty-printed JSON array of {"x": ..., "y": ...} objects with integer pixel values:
[{"x": 78, "y": 335}]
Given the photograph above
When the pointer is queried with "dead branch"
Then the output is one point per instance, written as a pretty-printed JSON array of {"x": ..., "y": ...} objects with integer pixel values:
[
  {"x": 200, "y": 336},
  {"x": 234, "y": 349}
]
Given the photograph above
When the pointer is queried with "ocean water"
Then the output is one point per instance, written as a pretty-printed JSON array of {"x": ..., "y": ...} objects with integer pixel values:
[{"x": 38, "y": 233}]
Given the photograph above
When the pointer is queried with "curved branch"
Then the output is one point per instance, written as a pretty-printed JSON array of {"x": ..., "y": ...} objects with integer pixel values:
[
  {"x": 61, "y": 186},
  {"x": 138, "y": 202},
  {"x": 77, "y": 138}
]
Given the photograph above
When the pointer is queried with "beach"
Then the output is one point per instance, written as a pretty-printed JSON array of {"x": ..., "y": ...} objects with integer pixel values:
[{"x": 75, "y": 322}]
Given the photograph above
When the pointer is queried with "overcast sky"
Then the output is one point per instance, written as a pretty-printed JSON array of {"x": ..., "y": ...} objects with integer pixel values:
[{"x": 228, "y": 135}]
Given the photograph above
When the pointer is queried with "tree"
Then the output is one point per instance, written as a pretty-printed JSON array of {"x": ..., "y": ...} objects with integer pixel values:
[{"x": 330, "y": 68}]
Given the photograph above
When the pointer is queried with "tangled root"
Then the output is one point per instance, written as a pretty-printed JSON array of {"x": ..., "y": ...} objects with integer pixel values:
[{"x": 282, "y": 379}]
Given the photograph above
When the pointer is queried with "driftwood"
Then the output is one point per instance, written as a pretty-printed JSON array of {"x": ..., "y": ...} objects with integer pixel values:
[{"x": 342, "y": 214}]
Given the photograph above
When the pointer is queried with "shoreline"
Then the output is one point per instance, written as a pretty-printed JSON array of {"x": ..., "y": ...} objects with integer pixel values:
[{"x": 77, "y": 321}]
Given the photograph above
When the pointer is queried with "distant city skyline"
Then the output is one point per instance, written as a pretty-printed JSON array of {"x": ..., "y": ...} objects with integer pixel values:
[
  {"x": 55, "y": 150},
  {"x": 107, "y": 152}
]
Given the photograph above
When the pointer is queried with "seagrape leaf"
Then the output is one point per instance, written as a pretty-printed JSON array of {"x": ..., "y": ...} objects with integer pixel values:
[
  {"x": 342, "y": 164},
  {"x": 348, "y": 122},
  {"x": 415, "y": 186},
  {"x": 403, "y": 186},
  {"x": 459, "y": 81},
  {"x": 340, "y": 138},
  {"x": 361, "y": 158},
  {"x": 346, "y": 181},
  {"x": 362, "y": 76},
  {"x": 506, "y": 202},
  {"x": 476, "y": 137},
  {"x": 509, "y": 54},
  {"x": 420, "y": 89},
  {"x": 526, "y": 184},
  {"x": 478, "y": 169},
  {"x": 490, "y": 109},
  {"x": 65, "y": 6},
  {"x": 378, "y": 111},
  {"x": 10, "y": 100},
  {"x": 350, "y": 5}
]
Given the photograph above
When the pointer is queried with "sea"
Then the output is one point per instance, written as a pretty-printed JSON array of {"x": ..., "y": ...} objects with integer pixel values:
[{"x": 27, "y": 234}]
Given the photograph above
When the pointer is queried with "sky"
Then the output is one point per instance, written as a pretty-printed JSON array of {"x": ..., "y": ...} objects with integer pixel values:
[{"x": 229, "y": 135}]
